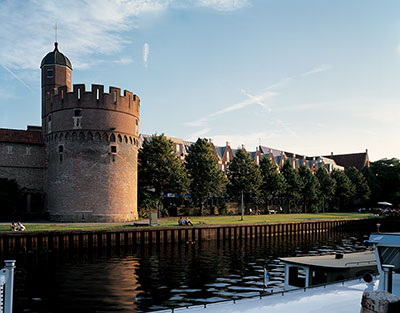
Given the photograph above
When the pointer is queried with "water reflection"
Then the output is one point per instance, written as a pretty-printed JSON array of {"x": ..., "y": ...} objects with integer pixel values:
[{"x": 138, "y": 279}]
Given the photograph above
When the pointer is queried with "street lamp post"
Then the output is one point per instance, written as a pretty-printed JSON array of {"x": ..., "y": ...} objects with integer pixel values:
[{"x": 241, "y": 205}]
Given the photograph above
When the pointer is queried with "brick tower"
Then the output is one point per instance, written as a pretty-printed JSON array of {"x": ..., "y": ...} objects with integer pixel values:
[{"x": 91, "y": 142}]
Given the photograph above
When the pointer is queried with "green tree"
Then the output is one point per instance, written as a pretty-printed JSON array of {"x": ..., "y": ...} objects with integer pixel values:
[
  {"x": 273, "y": 183},
  {"x": 159, "y": 170},
  {"x": 206, "y": 177},
  {"x": 293, "y": 183},
  {"x": 327, "y": 185},
  {"x": 384, "y": 179},
  {"x": 244, "y": 175},
  {"x": 362, "y": 190},
  {"x": 309, "y": 188},
  {"x": 345, "y": 189}
]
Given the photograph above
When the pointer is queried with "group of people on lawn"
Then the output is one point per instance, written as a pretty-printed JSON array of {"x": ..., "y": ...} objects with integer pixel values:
[
  {"x": 17, "y": 227},
  {"x": 184, "y": 222}
]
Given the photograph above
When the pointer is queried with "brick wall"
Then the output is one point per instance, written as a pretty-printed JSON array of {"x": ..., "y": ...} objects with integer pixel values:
[{"x": 24, "y": 163}]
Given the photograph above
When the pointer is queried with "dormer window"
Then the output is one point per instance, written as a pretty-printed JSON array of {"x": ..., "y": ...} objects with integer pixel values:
[{"x": 50, "y": 73}]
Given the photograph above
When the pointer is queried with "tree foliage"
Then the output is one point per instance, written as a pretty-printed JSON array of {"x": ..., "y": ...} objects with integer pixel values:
[
  {"x": 361, "y": 188},
  {"x": 244, "y": 175},
  {"x": 383, "y": 177},
  {"x": 293, "y": 183},
  {"x": 345, "y": 189},
  {"x": 327, "y": 185},
  {"x": 273, "y": 183},
  {"x": 309, "y": 190},
  {"x": 9, "y": 197},
  {"x": 159, "y": 170},
  {"x": 206, "y": 177}
]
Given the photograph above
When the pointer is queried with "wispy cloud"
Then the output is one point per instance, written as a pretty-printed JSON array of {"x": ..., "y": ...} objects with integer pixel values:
[
  {"x": 224, "y": 5},
  {"x": 124, "y": 60},
  {"x": 146, "y": 50},
  {"x": 16, "y": 77},
  {"x": 318, "y": 69},
  {"x": 90, "y": 27},
  {"x": 199, "y": 134},
  {"x": 260, "y": 99}
]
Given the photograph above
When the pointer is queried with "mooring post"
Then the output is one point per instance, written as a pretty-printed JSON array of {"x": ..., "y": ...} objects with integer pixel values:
[{"x": 9, "y": 286}]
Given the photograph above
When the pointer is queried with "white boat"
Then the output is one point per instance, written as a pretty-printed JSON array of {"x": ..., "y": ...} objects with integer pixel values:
[
  {"x": 307, "y": 271},
  {"x": 338, "y": 297}
]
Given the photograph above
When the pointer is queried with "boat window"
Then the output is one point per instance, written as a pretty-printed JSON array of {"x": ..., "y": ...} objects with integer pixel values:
[
  {"x": 390, "y": 255},
  {"x": 297, "y": 277}
]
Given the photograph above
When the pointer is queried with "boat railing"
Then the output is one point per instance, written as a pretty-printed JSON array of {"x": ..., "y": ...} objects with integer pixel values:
[
  {"x": 263, "y": 293},
  {"x": 360, "y": 262}
]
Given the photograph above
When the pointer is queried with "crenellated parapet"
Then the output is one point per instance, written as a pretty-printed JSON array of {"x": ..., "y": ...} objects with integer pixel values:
[{"x": 61, "y": 99}]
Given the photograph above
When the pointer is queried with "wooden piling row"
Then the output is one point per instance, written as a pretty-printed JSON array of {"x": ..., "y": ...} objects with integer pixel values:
[{"x": 64, "y": 240}]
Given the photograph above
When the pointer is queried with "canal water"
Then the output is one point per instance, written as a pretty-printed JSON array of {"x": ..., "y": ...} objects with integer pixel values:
[{"x": 149, "y": 278}]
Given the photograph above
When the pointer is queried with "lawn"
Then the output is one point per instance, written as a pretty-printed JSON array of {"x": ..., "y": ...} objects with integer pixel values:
[
  {"x": 272, "y": 218},
  {"x": 198, "y": 220}
]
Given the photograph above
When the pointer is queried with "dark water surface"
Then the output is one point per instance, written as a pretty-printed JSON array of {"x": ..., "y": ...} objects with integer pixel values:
[{"x": 150, "y": 278}]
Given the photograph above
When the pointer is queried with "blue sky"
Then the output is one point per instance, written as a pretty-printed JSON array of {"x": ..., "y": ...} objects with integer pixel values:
[{"x": 304, "y": 76}]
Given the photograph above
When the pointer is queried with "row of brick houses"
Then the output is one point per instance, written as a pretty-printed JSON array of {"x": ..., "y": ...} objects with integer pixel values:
[{"x": 225, "y": 154}]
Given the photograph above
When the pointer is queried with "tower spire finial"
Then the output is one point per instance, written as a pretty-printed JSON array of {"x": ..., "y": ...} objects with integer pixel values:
[{"x": 55, "y": 30}]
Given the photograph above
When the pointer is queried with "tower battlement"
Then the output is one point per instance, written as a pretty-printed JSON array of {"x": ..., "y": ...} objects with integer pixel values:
[{"x": 60, "y": 99}]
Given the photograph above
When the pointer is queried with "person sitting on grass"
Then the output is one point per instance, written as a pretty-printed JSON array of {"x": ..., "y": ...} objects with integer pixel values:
[
  {"x": 181, "y": 222},
  {"x": 21, "y": 227},
  {"x": 187, "y": 221},
  {"x": 13, "y": 226}
]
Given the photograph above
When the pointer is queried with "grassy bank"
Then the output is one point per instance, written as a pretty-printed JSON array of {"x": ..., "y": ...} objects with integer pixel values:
[
  {"x": 273, "y": 218},
  {"x": 197, "y": 220}
]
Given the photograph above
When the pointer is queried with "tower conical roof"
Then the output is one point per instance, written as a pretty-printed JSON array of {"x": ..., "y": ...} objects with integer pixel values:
[{"x": 55, "y": 58}]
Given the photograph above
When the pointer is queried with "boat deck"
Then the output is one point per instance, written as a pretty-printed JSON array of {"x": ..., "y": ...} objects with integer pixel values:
[{"x": 349, "y": 260}]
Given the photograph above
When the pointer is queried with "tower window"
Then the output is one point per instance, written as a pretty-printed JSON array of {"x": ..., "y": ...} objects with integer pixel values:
[
  {"x": 77, "y": 122},
  {"x": 28, "y": 150},
  {"x": 113, "y": 149},
  {"x": 69, "y": 77},
  {"x": 78, "y": 112},
  {"x": 49, "y": 124},
  {"x": 79, "y": 94},
  {"x": 9, "y": 150},
  {"x": 115, "y": 97},
  {"x": 50, "y": 73},
  {"x": 97, "y": 94}
]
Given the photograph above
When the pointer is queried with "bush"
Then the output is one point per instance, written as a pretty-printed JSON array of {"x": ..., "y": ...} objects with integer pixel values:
[{"x": 222, "y": 208}]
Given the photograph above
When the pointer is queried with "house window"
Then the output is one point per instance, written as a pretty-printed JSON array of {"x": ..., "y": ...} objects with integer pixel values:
[
  {"x": 223, "y": 168},
  {"x": 178, "y": 149},
  {"x": 9, "y": 150},
  {"x": 50, "y": 73},
  {"x": 28, "y": 150},
  {"x": 258, "y": 160}
]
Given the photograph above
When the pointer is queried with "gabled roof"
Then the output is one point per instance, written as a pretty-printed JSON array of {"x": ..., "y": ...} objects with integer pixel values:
[
  {"x": 358, "y": 160},
  {"x": 20, "y": 136},
  {"x": 220, "y": 151}
]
